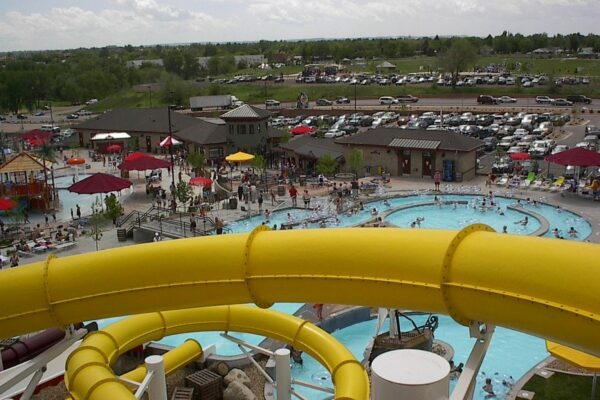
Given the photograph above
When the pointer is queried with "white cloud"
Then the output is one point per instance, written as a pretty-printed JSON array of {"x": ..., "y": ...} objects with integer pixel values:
[{"x": 167, "y": 21}]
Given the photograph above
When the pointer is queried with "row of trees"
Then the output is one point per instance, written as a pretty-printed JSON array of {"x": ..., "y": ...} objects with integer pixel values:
[{"x": 29, "y": 79}]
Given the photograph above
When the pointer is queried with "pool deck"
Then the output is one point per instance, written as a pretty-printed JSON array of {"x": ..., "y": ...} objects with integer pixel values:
[{"x": 138, "y": 200}]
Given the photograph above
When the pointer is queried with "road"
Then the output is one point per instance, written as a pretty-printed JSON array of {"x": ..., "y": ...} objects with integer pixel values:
[
  {"x": 59, "y": 114},
  {"x": 470, "y": 101}
]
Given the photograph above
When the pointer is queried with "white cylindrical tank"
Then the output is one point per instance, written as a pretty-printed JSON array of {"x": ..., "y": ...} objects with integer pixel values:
[{"x": 410, "y": 375}]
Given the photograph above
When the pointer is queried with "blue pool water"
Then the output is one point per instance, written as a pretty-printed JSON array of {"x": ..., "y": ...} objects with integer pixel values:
[
  {"x": 511, "y": 354},
  {"x": 447, "y": 216},
  {"x": 223, "y": 346}
]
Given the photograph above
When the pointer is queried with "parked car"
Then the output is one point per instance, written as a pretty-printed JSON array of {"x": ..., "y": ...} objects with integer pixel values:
[
  {"x": 506, "y": 99},
  {"x": 490, "y": 143},
  {"x": 72, "y": 116},
  {"x": 579, "y": 98},
  {"x": 21, "y": 116},
  {"x": 39, "y": 114},
  {"x": 272, "y": 103},
  {"x": 324, "y": 102},
  {"x": 342, "y": 100},
  {"x": 84, "y": 113},
  {"x": 485, "y": 99},
  {"x": 560, "y": 148},
  {"x": 387, "y": 100},
  {"x": 335, "y": 132},
  {"x": 562, "y": 103},
  {"x": 407, "y": 98},
  {"x": 544, "y": 100}
]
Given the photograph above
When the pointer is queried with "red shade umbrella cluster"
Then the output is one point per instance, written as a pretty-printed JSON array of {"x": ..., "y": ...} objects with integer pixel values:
[
  {"x": 519, "y": 156},
  {"x": 100, "y": 183},
  {"x": 577, "y": 156},
  {"x": 302, "y": 130},
  {"x": 140, "y": 162},
  {"x": 114, "y": 148},
  {"x": 7, "y": 204},
  {"x": 201, "y": 181},
  {"x": 36, "y": 134}
]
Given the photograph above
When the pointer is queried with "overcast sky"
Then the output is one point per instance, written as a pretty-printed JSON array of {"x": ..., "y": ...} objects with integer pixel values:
[{"x": 63, "y": 24}]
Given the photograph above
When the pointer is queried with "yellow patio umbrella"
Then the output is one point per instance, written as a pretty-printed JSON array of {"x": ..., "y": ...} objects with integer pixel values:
[{"x": 240, "y": 156}]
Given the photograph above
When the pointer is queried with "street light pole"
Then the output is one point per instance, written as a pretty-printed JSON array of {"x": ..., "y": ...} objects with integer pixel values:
[
  {"x": 150, "y": 90},
  {"x": 355, "y": 84},
  {"x": 171, "y": 153}
]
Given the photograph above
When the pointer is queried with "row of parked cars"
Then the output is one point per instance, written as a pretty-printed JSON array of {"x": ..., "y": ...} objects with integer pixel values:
[{"x": 567, "y": 102}]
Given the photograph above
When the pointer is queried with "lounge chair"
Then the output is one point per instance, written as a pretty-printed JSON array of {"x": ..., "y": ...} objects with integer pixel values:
[
  {"x": 529, "y": 180},
  {"x": 558, "y": 183},
  {"x": 502, "y": 181},
  {"x": 62, "y": 246},
  {"x": 537, "y": 183}
]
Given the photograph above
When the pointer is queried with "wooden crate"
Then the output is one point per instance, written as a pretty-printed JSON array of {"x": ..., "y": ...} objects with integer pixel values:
[
  {"x": 207, "y": 385},
  {"x": 183, "y": 393}
]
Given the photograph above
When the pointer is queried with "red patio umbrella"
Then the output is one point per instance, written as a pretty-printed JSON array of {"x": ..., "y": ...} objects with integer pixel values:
[
  {"x": 301, "y": 130},
  {"x": 141, "y": 162},
  {"x": 7, "y": 204},
  {"x": 76, "y": 161},
  {"x": 99, "y": 183},
  {"x": 34, "y": 134},
  {"x": 577, "y": 156},
  {"x": 113, "y": 148},
  {"x": 519, "y": 156},
  {"x": 201, "y": 181},
  {"x": 38, "y": 141},
  {"x": 168, "y": 142}
]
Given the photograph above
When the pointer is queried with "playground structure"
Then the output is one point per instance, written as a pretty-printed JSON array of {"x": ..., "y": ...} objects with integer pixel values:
[
  {"x": 544, "y": 287},
  {"x": 18, "y": 181}
]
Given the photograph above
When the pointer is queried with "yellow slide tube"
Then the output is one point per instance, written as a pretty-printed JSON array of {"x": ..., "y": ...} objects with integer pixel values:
[
  {"x": 540, "y": 286},
  {"x": 88, "y": 374}
]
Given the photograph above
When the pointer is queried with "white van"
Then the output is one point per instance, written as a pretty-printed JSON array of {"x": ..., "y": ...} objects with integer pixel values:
[
  {"x": 50, "y": 128},
  {"x": 385, "y": 100}
]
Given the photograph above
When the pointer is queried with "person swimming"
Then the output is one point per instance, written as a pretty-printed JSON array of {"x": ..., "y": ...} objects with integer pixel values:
[
  {"x": 386, "y": 203},
  {"x": 523, "y": 221},
  {"x": 573, "y": 232}
]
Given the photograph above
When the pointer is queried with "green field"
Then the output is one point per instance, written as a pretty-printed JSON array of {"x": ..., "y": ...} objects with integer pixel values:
[
  {"x": 259, "y": 91},
  {"x": 562, "y": 387}
]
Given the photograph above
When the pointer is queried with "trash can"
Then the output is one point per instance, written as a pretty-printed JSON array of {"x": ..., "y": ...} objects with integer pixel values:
[
  {"x": 458, "y": 176},
  {"x": 281, "y": 190},
  {"x": 233, "y": 203}
]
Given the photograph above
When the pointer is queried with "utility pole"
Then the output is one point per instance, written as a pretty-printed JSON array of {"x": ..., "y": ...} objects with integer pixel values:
[
  {"x": 355, "y": 84},
  {"x": 150, "y": 91},
  {"x": 172, "y": 159}
]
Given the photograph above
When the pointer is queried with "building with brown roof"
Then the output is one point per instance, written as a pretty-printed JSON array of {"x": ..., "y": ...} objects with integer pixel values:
[
  {"x": 416, "y": 153},
  {"x": 242, "y": 129}
]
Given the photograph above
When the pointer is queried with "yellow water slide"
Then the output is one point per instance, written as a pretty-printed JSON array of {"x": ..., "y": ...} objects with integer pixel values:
[
  {"x": 89, "y": 375},
  {"x": 544, "y": 287}
]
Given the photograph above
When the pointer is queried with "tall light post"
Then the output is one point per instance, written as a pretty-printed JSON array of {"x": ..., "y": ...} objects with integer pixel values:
[
  {"x": 355, "y": 84},
  {"x": 150, "y": 91},
  {"x": 172, "y": 159}
]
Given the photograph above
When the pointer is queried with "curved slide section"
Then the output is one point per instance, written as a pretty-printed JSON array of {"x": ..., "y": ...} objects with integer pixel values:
[
  {"x": 89, "y": 375},
  {"x": 544, "y": 287}
]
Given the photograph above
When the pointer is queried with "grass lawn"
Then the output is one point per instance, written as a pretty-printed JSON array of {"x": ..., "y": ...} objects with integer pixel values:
[{"x": 562, "y": 387}]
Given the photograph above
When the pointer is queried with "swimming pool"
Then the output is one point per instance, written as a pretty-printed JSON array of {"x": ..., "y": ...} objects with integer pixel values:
[
  {"x": 223, "y": 346},
  {"x": 510, "y": 355},
  {"x": 456, "y": 212}
]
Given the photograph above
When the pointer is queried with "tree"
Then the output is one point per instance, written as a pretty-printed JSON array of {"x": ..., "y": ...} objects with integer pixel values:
[
  {"x": 259, "y": 163},
  {"x": 114, "y": 209},
  {"x": 327, "y": 165},
  {"x": 356, "y": 161},
  {"x": 457, "y": 58},
  {"x": 96, "y": 223},
  {"x": 184, "y": 192},
  {"x": 197, "y": 161}
]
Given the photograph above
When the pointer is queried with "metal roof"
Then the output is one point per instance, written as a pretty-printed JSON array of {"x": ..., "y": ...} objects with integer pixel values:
[
  {"x": 247, "y": 112},
  {"x": 415, "y": 144}
]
